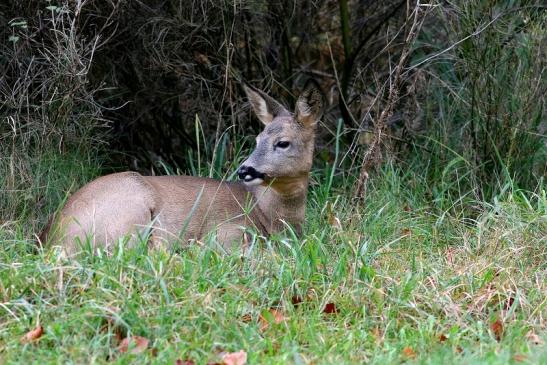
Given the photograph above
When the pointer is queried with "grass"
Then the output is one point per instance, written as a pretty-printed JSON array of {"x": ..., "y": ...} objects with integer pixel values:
[
  {"x": 403, "y": 280},
  {"x": 440, "y": 264}
]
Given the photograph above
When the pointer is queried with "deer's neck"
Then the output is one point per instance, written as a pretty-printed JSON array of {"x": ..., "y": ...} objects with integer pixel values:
[{"x": 281, "y": 200}]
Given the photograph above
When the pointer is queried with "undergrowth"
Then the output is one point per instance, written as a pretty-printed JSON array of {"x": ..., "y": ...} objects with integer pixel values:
[{"x": 397, "y": 280}]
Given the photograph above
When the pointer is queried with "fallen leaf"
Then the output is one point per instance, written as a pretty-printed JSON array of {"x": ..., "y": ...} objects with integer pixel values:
[
  {"x": 33, "y": 335},
  {"x": 534, "y": 338},
  {"x": 277, "y": 318},
  {"x": 409, "y": 353},
  {"x": 497, "y": 328},
  {"x": 519, "y": 357},
  {"x": 184, "y": 362},
  {"x": 296, "y": 300},
  {"x": 406, "y": 232},
  {"x": 247, "y": 318},
  {"x": 235, "y": 358},
  {"x": 330, "y": 308},
  {"x": 140, "y": 344},
  {"x": 442, "y": 338}
]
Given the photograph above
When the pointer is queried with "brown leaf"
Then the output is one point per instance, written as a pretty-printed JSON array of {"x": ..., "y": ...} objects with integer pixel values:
[
  {"x": 497, "y": 328},
  {"x": 235, "y": 358},
  {"x": 406, "y": 232},
  {"x": 33, "y": 335},
  {"x": 296, "y": 300},
  {"x": 184, "y": 362},
  {"x": 330, "y": 308},
  {"x": 519, "y": 357},
  {"x": 247, "y": 318},
  {"x": 139, "y": 344},
  {"x": 409, "y": 353},
  {"x": 277, "y": 315},
  {"x": 442, "y": 338}
]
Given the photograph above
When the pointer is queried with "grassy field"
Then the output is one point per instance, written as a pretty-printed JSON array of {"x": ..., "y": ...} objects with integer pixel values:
[
  {"x": 407, "y": 276},
  {"x": 443, "y": 262}
]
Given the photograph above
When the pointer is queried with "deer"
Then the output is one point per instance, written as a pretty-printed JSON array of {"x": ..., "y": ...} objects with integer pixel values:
[{"x": 271, "y": 191}]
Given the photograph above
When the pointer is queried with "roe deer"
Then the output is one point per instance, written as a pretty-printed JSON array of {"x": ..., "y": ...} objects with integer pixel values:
[{"x": 274, "y": 186}]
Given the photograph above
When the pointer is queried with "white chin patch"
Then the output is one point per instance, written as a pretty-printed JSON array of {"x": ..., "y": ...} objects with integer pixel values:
[{"x": 253, "y": 182}]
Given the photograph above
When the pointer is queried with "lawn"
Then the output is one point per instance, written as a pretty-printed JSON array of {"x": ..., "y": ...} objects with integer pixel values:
[{"x": 407, "y": 275}]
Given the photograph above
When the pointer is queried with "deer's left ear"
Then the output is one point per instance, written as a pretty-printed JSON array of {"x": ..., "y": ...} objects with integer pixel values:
[{"x": 309, "y": 106}]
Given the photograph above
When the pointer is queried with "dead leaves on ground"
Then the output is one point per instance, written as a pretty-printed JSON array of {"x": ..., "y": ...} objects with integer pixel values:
[
  {"x": 497, "y": 329},
  {"x": 235, "y": 358},
  {"x": 33, "y": 335},
  {"x": 226, "y": 358},
  {"x": 270, "y": 317},
  {"x": 184, "y": 362},
  {"x": 134, "y": 344},
  {"x": 409, "y": 353},
  {"x": 273, "y": 316},
  {"x": 330, "y": 308},
  {"x": 442, "y": 338}
]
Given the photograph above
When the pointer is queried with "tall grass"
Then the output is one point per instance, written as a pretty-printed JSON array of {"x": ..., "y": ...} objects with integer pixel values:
[
  {"x": 485, "y": 99},
  {"x": 409, "y": 283},
  {"x": 51, "y": 125}
]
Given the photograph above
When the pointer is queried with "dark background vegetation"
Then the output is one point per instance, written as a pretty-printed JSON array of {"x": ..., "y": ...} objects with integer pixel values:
[{"x": 88, "y": 87}]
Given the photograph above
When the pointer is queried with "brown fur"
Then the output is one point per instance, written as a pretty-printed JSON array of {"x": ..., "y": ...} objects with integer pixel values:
[{"x": 178, "y": 208}]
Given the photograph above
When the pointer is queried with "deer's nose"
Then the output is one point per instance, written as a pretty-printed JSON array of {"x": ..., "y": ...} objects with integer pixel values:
[{"x": 249, "y": 173}]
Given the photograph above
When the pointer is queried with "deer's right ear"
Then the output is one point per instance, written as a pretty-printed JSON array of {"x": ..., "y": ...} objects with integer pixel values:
[
  {"x": 265, "y": 107},
  {"x": 309, "y": 106}
]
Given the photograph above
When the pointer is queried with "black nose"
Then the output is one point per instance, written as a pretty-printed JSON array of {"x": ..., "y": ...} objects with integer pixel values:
[{"x": 248, "y": 173}]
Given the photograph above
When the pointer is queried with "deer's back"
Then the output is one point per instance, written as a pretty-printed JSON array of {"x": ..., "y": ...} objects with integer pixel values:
[{"x": 172, "y": 207}]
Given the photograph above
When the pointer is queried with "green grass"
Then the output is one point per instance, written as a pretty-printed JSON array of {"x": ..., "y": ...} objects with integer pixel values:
[{"x": 410, "y": 282}]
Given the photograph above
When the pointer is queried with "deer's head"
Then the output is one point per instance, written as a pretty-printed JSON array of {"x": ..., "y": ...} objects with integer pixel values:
[{"x": 284, "y": 149}]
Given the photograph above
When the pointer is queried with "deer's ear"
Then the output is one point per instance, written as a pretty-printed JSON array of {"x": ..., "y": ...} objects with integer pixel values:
[
  {"x": 309, "y": 106},
  {"x": 265, "y": 107}
]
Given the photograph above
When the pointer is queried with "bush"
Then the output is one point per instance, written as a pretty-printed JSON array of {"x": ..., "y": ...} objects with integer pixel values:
[
  {"x": 51, "y": 123},
  {"x": 485, "y": 103}
]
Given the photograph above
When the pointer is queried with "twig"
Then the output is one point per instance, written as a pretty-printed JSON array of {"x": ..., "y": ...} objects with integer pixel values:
[{"x": 373, "y": 154}]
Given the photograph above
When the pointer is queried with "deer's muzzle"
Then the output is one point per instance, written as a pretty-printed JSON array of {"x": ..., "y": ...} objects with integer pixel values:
[{"x": 249, "y": 174}]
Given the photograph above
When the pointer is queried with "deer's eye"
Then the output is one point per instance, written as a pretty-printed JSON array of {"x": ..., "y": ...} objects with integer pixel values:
[{"x": 282, "y": 144}]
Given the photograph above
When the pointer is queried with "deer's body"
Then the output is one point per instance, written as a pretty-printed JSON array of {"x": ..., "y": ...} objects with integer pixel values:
[{"x": 174, "y": 208}]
